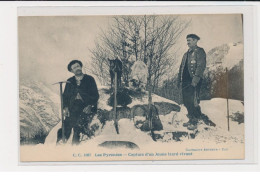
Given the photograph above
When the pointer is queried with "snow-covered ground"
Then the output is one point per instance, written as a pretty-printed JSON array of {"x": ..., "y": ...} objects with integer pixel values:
[
  {"x": 215, "y": 109},
  {"x": 209, "y": 143},
  {"x": 144, "y": 100}
]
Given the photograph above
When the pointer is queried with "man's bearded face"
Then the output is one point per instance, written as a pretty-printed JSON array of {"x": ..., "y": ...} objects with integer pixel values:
[{"x": 76, "y": 69}]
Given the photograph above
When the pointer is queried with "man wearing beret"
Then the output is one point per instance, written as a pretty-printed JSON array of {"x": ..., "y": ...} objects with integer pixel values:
[
  {"x": 80, "y": 99},
  {"x": 190, "y": 78}
]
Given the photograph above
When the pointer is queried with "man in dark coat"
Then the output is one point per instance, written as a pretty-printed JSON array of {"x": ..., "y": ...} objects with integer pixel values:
[
  {"x": 190, "y": 78},
  {"x": 80, "y": 98}
]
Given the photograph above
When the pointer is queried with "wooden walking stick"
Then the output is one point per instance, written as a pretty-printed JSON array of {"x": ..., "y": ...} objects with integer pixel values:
[
  {"x": 115, "y": 104},
  {"x": 62, "y": 115},
  {"x": 227, "y": 99},
  {"x": 150, "y": 111}
]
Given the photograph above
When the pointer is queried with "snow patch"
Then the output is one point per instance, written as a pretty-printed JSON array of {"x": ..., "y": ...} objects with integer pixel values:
[
  {"x": 234, "y": 56},
  {"x": 144, "y": 100},
  {"x": 127, "y": 132}
]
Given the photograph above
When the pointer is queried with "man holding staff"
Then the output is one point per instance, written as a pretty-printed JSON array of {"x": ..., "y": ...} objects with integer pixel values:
[
  {"x": 190, "y": 78},
  {"x": 80, "y": 98}
]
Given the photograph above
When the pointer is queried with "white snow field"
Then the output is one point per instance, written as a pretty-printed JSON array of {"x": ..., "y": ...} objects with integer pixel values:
[
  {"x": 209, "y": 143},
  {"x": 215, "y": 109}
]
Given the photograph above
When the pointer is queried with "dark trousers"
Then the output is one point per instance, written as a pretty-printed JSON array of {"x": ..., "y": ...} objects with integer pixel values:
[
  {"x": 72, "y": 122},
  {"x": 69, "y": 124},
  {"x": 191, "y": 100}
]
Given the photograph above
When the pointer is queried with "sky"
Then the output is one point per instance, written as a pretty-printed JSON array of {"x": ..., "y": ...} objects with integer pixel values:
[{"x": 47, "y": 44}]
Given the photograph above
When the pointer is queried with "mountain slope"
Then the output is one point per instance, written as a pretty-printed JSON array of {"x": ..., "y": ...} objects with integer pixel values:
[
  {"x": 39, "y": 111},
  {"x": 224, "y": 74},
  {"x": 226, "y": 55}
]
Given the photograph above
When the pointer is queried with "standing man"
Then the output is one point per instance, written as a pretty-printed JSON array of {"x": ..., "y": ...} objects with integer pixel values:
[
  {"x": 80, "y": 98},
  {"x": 190, "y": 79}
]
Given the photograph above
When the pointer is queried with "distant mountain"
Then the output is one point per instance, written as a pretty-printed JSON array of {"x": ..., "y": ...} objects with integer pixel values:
[
  {"x": 225, "y": 67},
  {"x": 226, "y": 55},
  {"x": 39, "y": 111}
]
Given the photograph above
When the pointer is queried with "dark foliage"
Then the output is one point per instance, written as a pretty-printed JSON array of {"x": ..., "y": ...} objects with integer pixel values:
[
  {"x": 177, "y": 135},
  {"x": 83, "y": 124},
  {"x": 238, "y": 117},
  {"x": 38, "y": 137},
  {"x": 123, "y": 98},
  {"x": 156, "y": 125},
  {"x": 103, "y": 116},
  {"x": 169, "y": 90}
]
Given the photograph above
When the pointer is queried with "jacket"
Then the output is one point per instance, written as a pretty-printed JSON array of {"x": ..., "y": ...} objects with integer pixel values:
[
  {"x": 196, "y": 63},
  {"x": 87, "y": 90}
]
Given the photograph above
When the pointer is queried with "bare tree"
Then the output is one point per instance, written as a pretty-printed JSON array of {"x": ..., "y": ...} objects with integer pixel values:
[{"x": 131, "y": 38}]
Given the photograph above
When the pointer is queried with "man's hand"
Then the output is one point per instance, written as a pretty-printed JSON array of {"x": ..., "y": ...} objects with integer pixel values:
[
  {"x": 195, "y": 81},
  {"x": 87, "y": 109},
  {"x": 66, "y": 112}
]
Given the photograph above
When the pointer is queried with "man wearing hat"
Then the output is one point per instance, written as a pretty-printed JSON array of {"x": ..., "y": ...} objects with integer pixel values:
[
  {"x": 190, "y": 78},
  {"x": 80, "y": 99}
]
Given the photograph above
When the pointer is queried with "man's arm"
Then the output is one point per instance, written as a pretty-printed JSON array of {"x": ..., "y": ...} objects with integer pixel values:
[
  {"x": 201, "y": 65},
  {"x": 94, "y": 96}
]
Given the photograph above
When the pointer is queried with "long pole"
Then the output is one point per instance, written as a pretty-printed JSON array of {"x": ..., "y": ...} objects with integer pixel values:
[
  {"x": 62, "y": 115},
  {"x": 115, "y": 104},
  {"x": 227, "y": 100}
]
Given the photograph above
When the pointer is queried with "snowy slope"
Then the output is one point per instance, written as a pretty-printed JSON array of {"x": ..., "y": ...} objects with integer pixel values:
[{"x": 216, "y": 110}]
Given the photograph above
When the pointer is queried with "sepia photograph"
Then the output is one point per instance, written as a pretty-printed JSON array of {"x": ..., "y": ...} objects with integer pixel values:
[{"x": 131, "y": 87}]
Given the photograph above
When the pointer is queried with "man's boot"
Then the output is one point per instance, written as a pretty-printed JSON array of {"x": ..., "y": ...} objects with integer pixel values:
[
  {"x": 193, "y": 124},
  {"x": 206, "y": 120},
  {"x": 189, "y": 122},
  {"x": 76, "y": 137}
]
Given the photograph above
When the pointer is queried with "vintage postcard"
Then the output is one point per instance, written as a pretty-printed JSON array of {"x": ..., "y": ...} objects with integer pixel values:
[{"x": 131, "y": 87}]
